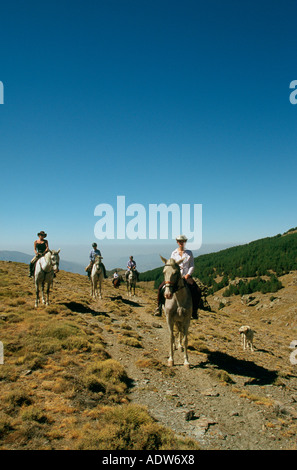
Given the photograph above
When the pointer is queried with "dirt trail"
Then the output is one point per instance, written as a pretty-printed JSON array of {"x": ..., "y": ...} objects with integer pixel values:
[{"x": 194, "y": 403}]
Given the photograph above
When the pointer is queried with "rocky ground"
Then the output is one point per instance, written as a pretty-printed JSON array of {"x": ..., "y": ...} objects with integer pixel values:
[{"x": 227, "y": 399}]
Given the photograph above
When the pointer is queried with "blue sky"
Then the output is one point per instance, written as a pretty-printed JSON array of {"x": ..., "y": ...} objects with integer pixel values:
[{"x": 160, "y": 101}]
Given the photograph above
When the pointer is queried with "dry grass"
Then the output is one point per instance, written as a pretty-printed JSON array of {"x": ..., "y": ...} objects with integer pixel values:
[
  {"x": 128, "y": 428},
  {"x": 60, "y": 387}
]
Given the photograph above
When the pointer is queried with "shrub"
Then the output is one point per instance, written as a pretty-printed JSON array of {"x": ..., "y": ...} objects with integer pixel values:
[
  {"x": 130, "y": 341},
  {"x": 129, "y": 427},
  {"x": 18, "y": 398},
  {"x": 33, "y": 413}
]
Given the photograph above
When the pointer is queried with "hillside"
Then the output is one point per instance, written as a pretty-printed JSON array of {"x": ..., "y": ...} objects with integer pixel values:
[
  {"x": 264, "y": 259},
  {"x": 84, "y": 374},
  {"x": 19, "y": 257}
]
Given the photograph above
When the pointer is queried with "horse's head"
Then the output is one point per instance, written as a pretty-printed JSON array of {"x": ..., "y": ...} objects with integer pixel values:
[
  {"x": 55, "y": 260},
  {"x": 171, "y": 275}
]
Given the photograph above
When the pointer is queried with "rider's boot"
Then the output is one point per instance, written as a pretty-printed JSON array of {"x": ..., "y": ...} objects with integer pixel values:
[
  {"x": 31, "y": 272},
  {"x": 195, "y": 314}
]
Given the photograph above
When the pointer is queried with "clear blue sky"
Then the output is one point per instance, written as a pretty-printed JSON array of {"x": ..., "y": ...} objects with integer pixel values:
[{"x": 160, "y": 101}]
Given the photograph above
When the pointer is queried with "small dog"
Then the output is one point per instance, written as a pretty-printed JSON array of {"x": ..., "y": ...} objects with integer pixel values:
[{"x": 247, "y": 336}]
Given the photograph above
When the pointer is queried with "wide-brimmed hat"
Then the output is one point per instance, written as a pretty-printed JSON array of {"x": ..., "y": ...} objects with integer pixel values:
[
  {"x": 181, "y": 238},
  {"x": 42, "y": 233}
]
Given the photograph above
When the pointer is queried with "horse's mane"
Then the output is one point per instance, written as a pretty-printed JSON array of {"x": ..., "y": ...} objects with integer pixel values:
[{"x": 171, "y": 262}]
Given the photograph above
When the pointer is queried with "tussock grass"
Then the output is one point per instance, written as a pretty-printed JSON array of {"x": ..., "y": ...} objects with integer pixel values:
[
  {"x": 33, "y": 413},
  {"x": 60, "y": 387},
  {"x": 128, "y": 428},
  {"x": 130, "y": 341}
]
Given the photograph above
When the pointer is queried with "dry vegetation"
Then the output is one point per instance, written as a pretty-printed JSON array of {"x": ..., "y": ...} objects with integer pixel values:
[
  {"x": 60, "y": 387},
  {"x": 70, "y": 369}
]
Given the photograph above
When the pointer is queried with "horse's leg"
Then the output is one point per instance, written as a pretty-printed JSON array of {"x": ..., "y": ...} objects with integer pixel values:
[
  {"x": 179, "y": 337},
  {"x": 43, "y": 299},
  {"x": 100, "y": 293},
  {"x": 97, "y": 287},
  {"x": 171, "y": 339},
  {"x": 180, "y": 341},
  {"x": 186, "y": 359},
  {"x": 37, "y": 293},
  {"x": 47, "y": 292}
]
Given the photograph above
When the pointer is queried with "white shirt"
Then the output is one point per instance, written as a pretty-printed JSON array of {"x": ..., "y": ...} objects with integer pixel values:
[{"x": 187, "y": 266}]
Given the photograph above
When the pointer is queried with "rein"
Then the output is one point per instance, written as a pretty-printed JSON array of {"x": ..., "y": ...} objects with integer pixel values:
[{"x": 174, "y": 285}]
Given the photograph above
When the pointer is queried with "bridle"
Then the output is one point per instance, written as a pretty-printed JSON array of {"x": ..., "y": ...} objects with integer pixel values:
[{"x": 174, "y": 285}]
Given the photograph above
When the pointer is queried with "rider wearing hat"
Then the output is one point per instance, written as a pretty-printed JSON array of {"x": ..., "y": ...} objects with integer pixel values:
[
  {"x": 40, "y": 247},
  {"x": 186, "y": 268},
  {"x": 131, "y": 265},
  {"x": 94, "y": 252}
]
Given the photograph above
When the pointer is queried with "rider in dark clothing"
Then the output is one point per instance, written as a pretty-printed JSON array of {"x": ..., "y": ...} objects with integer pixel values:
[{"x": 40, "y": 247}]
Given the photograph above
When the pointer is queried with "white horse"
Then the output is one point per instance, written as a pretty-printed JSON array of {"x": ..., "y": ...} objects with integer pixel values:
[
  {"x": 97, "y": 277},
  {"x": 131, "y": 281},
  {"x": 45, "y": 269},
  {"x": 178, "y": 306}
]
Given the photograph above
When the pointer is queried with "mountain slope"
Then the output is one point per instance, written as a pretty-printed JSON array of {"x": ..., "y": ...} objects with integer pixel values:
[
  {"x": 82, "y": 373},
  {"x": 19, "y": 257},
  {"x": 60, "y": 386},
  {"x": 259, "y": 258}
]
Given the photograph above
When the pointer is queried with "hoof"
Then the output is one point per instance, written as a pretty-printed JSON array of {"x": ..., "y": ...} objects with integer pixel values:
[
  {"x": 170, "y": 363},
  {"x": 187, "y": 365}
]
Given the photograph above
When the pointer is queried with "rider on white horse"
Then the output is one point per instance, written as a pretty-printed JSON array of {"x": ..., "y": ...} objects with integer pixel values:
[
  {"x": 131, "y": 265},
  {"x": 94, "y": 252},
  {"x": 186, "y": 264},
  {"x": 41, "y": 248}
]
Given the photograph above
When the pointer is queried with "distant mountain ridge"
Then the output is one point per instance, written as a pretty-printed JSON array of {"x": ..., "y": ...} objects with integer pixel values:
[{"x": 19, "y": 257}]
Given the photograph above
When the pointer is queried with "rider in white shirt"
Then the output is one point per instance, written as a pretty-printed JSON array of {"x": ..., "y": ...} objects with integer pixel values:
[
  {"x": 187, "y": 265},
  {"x": 187, "y": 269}
]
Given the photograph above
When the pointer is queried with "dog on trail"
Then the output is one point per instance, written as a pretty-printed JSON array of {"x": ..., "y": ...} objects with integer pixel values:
[{"x": 247, "y": 337}]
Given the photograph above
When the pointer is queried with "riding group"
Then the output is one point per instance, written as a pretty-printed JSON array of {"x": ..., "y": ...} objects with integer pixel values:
[{"x": 178, "y": 293}]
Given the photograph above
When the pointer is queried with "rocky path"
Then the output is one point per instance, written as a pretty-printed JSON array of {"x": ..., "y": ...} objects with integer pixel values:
[{"x": 194, "y": 403}]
